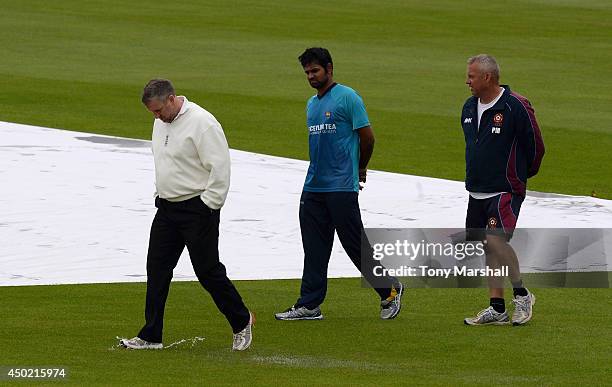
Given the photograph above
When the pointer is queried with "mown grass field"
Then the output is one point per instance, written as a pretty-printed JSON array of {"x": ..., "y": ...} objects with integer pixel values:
[
  {"x": 567, "y": 342},
  {"x": 81, "y": 65}
]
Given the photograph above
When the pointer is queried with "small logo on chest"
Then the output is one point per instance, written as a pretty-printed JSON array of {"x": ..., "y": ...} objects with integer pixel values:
[
  {"x": 468, "y": 120},
  {"x": 492, "y": 223},
  {"x": 328, "y": 115},
  {"x": 166, "y": 141},
  {"x": 498, "y": 120}
]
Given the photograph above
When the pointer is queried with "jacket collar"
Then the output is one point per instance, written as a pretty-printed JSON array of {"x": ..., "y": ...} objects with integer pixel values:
[
  {"x": 499, "y": 105},
  {"x": 184, "y": 107},
  {"x": 501, "y": 102}
]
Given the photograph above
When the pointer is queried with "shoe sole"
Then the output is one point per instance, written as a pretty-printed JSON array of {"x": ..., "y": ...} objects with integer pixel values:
[
  {"x": 399, "y": 299},
  {"x": 128, "y": 346},
  {"x": 491, "y": 323},
  {"x": 516, "y": 323},
  {"x": 319, "y": 317}
]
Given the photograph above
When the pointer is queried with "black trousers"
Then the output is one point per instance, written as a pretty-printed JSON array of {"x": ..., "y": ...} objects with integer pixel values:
[
  {"x": 176, "y": 225},
  {"x": 320, "y": 215}
]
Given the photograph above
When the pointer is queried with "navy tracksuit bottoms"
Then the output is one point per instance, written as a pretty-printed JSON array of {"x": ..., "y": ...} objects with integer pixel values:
[{"x": 322, "y": 213}]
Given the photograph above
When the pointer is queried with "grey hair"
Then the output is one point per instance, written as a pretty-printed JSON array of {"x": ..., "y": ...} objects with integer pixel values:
[
  {"x": 487, "y": 64},
  {"x": 157, "y": 89}
]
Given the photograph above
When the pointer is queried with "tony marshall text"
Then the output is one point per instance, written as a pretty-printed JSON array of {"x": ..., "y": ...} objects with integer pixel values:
[{"x": 426, "y": 271}]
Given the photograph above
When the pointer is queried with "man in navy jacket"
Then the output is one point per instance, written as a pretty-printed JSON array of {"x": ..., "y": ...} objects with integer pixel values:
[{"x": 504, "y": 147}]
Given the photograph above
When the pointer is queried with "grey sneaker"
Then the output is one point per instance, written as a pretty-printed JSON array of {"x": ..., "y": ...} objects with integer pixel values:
[
  {"x": 488, "y": 316},
  {"x": 242, "y": 339},
  {"x": 390, "y": 308},
  {"x": 523, "y": 308},
  {"x": 300, "y": 313},
  {"x": 138, "y": 343}
]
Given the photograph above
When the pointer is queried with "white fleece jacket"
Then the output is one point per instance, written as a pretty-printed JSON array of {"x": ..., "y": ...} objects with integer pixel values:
[{"x": 191, "y": 157}]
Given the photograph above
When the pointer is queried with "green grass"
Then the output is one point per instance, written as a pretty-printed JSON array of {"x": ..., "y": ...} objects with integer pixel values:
[
  {"x": 75, "y": 326},
  {"x": 81, "y": 65}
]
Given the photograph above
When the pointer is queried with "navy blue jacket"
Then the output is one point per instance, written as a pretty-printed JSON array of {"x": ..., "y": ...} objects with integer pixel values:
[{"x": 506, "y": 150}]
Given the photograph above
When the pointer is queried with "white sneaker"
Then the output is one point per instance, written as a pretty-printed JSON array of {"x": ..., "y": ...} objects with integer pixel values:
[
  {"x": 523, "y": 308},
  {"x": 390, "y": 308},
  {"x": 138, "y": 343},
  {"x": 488, "y": 316},
  {"x": 242, "y": 339}
]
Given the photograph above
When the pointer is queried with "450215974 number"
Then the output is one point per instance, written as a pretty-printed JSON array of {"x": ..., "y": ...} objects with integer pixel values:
[{"x": 33, "y": 373}]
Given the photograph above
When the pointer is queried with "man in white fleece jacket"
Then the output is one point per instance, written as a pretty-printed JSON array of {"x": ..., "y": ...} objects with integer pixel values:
[{"x": 192, "y": 177}]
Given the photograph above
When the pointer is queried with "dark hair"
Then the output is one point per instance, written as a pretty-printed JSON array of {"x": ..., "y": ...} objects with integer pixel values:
[
  {"x": 317, "y": 55},
  {"x": 157, "y": 89}
]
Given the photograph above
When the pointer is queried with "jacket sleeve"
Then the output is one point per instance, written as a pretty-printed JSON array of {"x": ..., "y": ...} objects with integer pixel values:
[
  {"x": 214, "y": 155},
  {"x": 530, "y": 137}
]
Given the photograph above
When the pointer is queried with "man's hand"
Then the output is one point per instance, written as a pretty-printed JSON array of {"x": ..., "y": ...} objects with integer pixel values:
[
  {"x": 362, "y": 177},
  {"x": 366, "y": 147},
  {"x": 363, "y": 174}
]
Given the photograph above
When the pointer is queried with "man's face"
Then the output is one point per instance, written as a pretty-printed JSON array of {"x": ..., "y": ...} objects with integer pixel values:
[
  {"x": 163, "y": 109},
  {"x": 317, "y": 75},
  {"x": 477, "y": 80}
]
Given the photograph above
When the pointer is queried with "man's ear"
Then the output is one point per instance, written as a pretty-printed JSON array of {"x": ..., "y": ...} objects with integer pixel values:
[
  {"x": 172, "y": 100},
  {"x": 329, "y": 68}
]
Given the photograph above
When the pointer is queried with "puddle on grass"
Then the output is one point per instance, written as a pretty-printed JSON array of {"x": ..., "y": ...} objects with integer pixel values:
[
  {"x": 314, "y": 362},
  {"x": 282, "y": 360},
  {"x": 191, "y": 342}
]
